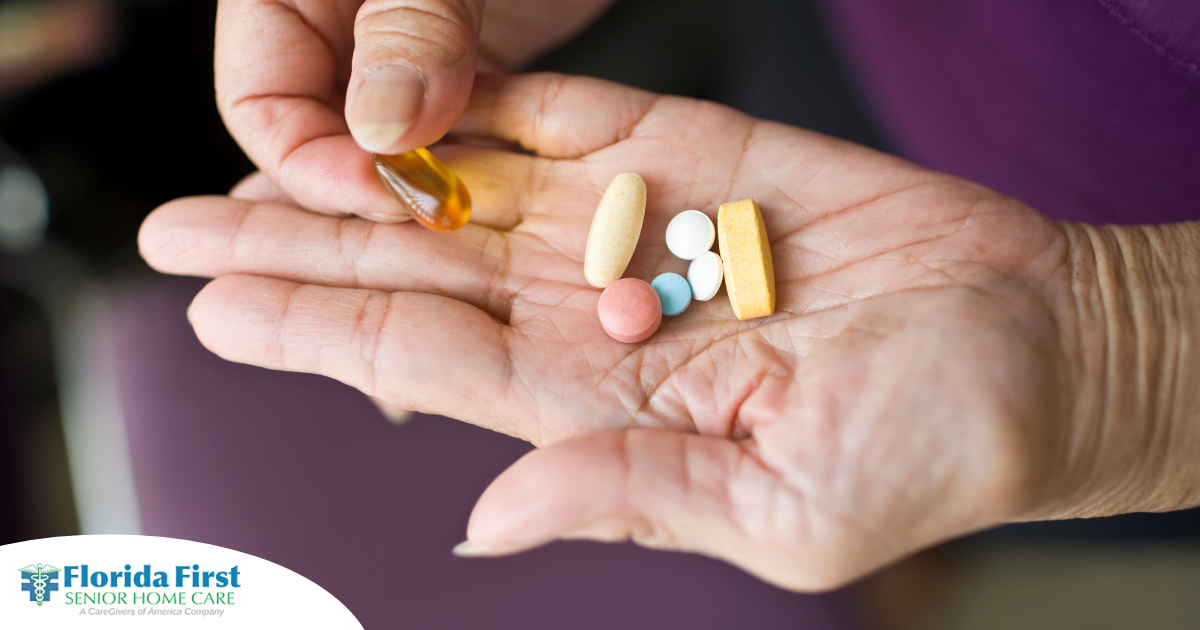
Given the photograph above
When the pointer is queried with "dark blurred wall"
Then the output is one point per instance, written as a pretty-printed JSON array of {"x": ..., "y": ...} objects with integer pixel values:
[
  {"x": 35, "y": 486},
  {"x": 136, "y": 128},
  {"x": 112, "y": 142},
  {"x": 773, "y": 59}
]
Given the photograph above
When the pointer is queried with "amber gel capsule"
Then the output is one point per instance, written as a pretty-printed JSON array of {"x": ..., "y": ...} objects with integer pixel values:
[{"x": 426, "y": 187}]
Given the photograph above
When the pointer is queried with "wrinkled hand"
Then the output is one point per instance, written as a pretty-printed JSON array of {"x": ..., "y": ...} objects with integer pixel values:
[
  {"x": 915, "y": 382},
  {"x": 400, "y": 70}
]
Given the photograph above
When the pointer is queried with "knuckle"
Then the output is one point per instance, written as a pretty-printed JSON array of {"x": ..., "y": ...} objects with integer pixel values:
[{"x": 420, "y": 29}]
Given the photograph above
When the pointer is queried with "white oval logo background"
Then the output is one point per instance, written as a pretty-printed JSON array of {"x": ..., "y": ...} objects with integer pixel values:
[{"x": 266, "y": 595}]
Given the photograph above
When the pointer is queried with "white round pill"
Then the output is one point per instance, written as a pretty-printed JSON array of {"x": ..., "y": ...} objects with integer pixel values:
[
  {"x": 690, "y": 234},
  {"x": 705, "y": 275}
]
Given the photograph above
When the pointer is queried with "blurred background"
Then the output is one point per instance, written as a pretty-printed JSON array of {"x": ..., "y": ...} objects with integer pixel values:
[{"x": 113, "y": 419}]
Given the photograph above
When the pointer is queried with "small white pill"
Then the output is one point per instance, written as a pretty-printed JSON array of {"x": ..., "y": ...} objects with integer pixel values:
[
  {"x": 705, "y": 274},
  {"x": 690, "y": 234}
]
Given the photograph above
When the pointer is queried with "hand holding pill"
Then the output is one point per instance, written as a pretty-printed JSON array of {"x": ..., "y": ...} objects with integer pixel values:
[
  {"x": 907, "y": 387},
  {"x": 311, "y": 90}
]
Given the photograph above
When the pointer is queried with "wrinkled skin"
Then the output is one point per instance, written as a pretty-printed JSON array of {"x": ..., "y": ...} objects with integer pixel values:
[{"x": 911, "y": 386}]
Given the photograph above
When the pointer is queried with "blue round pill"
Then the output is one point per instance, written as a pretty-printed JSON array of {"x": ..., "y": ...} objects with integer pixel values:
[{"x": 674, "y": 292}]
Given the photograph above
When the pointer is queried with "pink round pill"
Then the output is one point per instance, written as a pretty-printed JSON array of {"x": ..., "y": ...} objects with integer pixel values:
[{"x": 629, "y": 310}]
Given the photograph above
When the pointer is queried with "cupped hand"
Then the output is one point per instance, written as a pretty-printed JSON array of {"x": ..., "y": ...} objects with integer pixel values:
[
  {"x": 400, "y": 70},
  {"x": 916, "y": 381}
]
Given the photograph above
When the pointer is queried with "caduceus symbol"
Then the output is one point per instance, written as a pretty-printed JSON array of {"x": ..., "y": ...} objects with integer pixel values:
[{"x": 40, "y": 575}]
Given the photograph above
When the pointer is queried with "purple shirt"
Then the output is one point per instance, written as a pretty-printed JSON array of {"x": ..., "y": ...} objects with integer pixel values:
[{"x": 1088, "y": 110}]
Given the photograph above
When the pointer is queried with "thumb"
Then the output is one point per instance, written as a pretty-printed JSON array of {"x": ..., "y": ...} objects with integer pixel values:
[
  {"x": 413, "y": 66},
  {"x": 661, "y": 489}
]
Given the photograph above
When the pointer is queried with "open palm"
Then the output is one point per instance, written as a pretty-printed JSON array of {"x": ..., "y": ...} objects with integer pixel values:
[{"x": 911, "y": 385}]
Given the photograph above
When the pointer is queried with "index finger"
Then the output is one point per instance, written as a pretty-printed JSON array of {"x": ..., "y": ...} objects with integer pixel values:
[{"x": 281, "y": 74}]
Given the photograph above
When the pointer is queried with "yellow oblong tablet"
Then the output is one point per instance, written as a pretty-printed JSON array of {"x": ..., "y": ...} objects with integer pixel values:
[{"x": 746, "y": 252}]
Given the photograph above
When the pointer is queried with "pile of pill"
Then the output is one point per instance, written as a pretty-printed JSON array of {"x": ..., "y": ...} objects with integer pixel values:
[{"x": 630, "y": 310}]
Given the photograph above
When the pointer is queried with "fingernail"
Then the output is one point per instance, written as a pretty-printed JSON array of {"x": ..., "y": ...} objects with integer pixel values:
[
  {"x": 465, "y": 549},
  {"x": 394, "y": 414},
  {"x": 386, "y": 106},
  {"x": 188, "y": 314}
]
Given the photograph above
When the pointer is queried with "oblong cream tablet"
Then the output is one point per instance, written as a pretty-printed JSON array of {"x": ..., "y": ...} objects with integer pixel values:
[
  {"x": 705, "y": 275},
  {"x": 615, "y": 229},
  {"x": 690, "y": 234},
  {"x": 749, "y": 272}
]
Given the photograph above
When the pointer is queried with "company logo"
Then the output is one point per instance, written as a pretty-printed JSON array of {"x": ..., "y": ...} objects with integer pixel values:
[
  {"x": 83, "y": 586},
  {"x": 40, "y": 581},
  {"x": 172, "y": 581}
]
